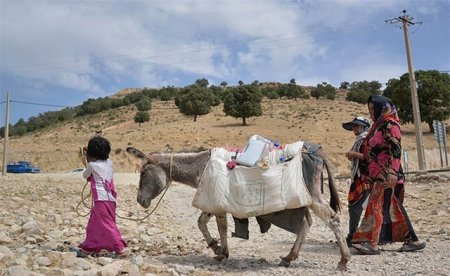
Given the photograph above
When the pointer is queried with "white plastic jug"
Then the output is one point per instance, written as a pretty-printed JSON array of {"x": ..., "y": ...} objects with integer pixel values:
[{"x": 256, "y": 148}]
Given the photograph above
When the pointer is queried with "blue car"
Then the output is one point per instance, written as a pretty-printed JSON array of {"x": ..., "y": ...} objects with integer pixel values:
[{"x": 22, "y": 167}]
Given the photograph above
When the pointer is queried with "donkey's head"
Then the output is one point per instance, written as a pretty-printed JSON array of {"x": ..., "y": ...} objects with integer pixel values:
[{"x": 153, "y": 179}]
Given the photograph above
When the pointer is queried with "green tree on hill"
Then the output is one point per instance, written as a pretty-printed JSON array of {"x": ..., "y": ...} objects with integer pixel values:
[
  {"x": 217, "y": 94},
  {"x": 344, "y": 85},
  {"x": 294, "y": 91},
  {"x": 141, "y": 117},
  {"x": 361, "y": 90},
  {"x": 243, "y": 101},
  {"x": 167, "y": 93},
  {"x": 433, "y": 91},
  {"x": 202, "y": 82},
  {"x": 324, "y": 90},
  {"x": 270, "y": 92},
  {"x": 195, "y": 100},
  {"x": 144, "y": 104}
]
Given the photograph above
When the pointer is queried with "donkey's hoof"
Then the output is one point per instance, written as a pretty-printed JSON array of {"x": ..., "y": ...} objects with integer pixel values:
[
  {"x": 284, "y": 262},
  {"x": 219, "y": 258},
  {"x": 341, "y": 267},
  {"x": 213, "y": 244}
]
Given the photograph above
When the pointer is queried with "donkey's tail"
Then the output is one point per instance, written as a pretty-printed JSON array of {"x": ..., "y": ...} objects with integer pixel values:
[{"x": 335, "y": 203}]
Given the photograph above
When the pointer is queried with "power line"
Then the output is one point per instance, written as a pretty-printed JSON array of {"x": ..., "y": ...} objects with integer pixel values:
[
  {"x": 184, "y": 50},
  {"x": 161, "y": 54},
  {"x": 187, "y": 57},
  {"x": 41, "y": 104}
]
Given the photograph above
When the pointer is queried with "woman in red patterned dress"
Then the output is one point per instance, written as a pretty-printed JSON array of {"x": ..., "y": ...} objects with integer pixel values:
[{"x": 385, "y": 219}]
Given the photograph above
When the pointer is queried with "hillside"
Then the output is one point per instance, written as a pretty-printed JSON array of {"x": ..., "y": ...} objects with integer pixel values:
[{"x": 319, "y": 121}]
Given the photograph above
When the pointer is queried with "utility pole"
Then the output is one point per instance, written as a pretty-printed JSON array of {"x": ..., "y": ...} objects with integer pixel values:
[
  {"x": 406, "y": 21},
  {"x": 5, "y": 138}
]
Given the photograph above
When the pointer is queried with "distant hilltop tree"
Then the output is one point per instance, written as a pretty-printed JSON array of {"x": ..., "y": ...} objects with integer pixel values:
[
  {"x": 433, "y": 91},
  {"x": 324, "y": 90},
  {"x": 217, "y": 94},
  {"x": 276, "y": 90},
  {"x": 294, "y": 91},
  {"x": 344, "y": 85},
  {"x": 168, "y": 93},
  {"x": 243, "y": 101},
  {"x": 202, "y": 82},
  {"x": 361, "y": 90}
]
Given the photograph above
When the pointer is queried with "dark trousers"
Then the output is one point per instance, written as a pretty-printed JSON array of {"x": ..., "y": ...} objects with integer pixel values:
[{"x": 354, "y": 213}]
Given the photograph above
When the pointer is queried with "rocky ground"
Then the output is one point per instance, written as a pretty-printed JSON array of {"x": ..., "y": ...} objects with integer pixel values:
[{"x": 38, "y": 223}]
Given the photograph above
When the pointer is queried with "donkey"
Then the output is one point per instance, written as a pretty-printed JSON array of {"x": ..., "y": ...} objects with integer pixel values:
[{"x": 159, "y": 169}]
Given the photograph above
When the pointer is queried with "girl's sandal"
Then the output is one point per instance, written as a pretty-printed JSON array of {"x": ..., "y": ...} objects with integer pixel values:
[
  {"x": 124, "y": 253},
  {"x": 80, "y": 252}
]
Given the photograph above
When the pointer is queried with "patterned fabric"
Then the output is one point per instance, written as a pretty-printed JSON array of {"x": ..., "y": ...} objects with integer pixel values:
[
  {"x": 385, "y": 219},
  {"x": 359, "y": 183},
  {"x": 357, "y": 148},
  {"x": 357, "y": 188}
]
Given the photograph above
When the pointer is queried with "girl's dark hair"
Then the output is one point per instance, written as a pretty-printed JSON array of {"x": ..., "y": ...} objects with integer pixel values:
[{"x": 98, "y": 148}]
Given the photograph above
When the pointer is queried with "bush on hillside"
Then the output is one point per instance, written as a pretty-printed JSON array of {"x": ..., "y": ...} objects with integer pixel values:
[
  {"x": 361, "y": 90},
  {"x": 141, "y": 117}
]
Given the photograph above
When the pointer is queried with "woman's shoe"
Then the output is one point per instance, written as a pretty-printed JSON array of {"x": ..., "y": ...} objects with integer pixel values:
[
  {"x": 410, "y": 246},
  {"x": 366, "y": 249}
]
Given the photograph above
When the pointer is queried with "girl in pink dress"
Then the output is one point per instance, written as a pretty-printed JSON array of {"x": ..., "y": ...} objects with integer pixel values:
[{"x": 102, "y": 232}]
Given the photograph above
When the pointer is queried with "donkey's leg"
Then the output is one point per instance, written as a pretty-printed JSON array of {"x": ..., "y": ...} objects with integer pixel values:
[
  {"x": 301, "y": 235},
  {"x": 331, "y": 218},
  {"x": 222, "y": 252},
  {"x": 202, "y": 223}
]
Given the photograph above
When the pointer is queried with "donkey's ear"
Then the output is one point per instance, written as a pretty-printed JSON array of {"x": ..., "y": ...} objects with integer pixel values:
[
  {"x": 167, "y": 149},
  {"x": 137, "y": 153}
]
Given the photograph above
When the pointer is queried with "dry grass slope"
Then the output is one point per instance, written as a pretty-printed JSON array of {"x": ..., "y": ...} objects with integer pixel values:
[{"x": 55, "y": 149}]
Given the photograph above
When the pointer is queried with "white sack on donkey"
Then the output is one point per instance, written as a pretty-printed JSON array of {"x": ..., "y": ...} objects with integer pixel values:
[{"x": 252, "y": 191}]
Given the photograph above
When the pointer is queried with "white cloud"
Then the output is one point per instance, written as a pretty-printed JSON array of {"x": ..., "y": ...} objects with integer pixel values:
[
  {"x": 141, "y": 41},
  {"x": 75, "y": 81}
]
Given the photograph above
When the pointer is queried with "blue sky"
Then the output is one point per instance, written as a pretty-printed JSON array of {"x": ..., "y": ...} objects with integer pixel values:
[{"x": 63, "y": 52}]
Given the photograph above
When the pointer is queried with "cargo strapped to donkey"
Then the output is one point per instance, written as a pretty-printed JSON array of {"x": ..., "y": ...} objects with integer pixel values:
[{"x": 244, "y": 191}]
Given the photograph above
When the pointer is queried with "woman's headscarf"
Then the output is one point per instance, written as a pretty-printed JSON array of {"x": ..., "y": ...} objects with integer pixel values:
[{"x": 383, "y": 108}]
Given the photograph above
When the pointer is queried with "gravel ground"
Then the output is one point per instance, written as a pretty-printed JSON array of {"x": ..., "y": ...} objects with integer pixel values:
[{"x": 38, "y": 223}]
